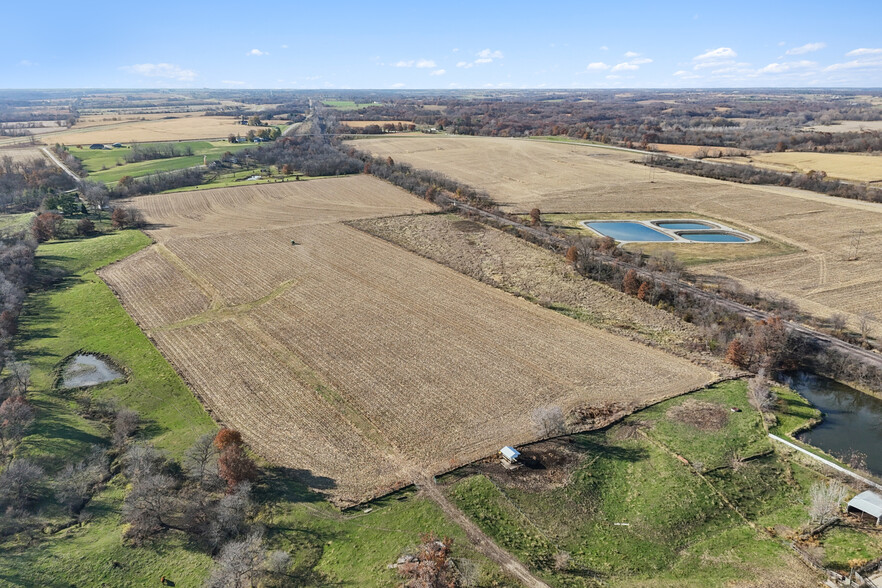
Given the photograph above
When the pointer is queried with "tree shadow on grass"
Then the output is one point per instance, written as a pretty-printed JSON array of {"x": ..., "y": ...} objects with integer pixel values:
[{"x": 296, "y": 485}]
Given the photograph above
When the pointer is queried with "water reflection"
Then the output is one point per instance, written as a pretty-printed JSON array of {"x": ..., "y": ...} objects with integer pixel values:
[{"x": 852, "y": 419}]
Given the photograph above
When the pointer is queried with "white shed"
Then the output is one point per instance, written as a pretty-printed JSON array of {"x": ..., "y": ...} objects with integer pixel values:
[
  {"x": 868, "y": 502},
  {"x": 510, "y": 453}
]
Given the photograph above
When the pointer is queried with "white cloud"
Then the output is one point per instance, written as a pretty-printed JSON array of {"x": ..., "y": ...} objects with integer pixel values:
[
  {"x": 686, "y": 75},
  {"x": 630, "y": 54},
  {"x": 26, "y": 63},
  {"x": 604, "y": 48},
  {"x": 161, "y": 70},
  {"x": 641, "y": 61},
  {"x": 425, "y": 63},
  {"x": 856, "y": 64},
  {"x": 488, "y": 54},
  {"x": 398, "y": 85},
  {"x": 807, "y": 48},
  {"x": 233, "y": 82},
  {"x": 716, "y": 54},
  {"x": 863, "y": 51},
  {"x": 256, "y": 53},
  {"x": 438, "y": 72},
  {"x": 597, "y": 66},
  {"x": 485, "y": 56},
  {"x": 625, "y": 67},
  {"x": 781, "y": 43},
  {"x": 284, "y": 46},
  {"x": 783, "y": 67}
]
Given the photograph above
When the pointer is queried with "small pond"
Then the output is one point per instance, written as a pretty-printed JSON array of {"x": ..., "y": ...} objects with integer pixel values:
[
  {"x": 852, "y": 419},
  {"x": 713, "y": 237},
  {"x": 88, "y": 370},
  {"x": 684, "y": 225},
  {"x": 628, "y": 231}
]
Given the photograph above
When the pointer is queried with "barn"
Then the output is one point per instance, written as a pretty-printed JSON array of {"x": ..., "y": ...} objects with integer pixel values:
[{"x": 867, "y": 502}]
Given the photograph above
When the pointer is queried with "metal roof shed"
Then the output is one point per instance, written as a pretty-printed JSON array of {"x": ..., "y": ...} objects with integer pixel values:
[
  {"x": 868, "y": 502},
  {"x": 510, "y": 453}
]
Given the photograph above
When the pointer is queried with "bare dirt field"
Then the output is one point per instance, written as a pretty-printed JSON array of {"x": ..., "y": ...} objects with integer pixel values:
[
  {"x": 350, "y": 359},
  {"x": 844, "y": 166},
  {"x": 558, "y": 177}
]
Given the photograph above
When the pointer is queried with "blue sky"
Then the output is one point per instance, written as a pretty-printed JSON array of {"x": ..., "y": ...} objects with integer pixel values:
[{"x": 193, "y": 44}]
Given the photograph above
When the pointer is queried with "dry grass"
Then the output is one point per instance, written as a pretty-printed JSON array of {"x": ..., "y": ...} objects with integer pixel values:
[
  {"x": 573, "y": 178},
  {"x": 844, "y": 166},
  {"x": 350, "y": 358}
]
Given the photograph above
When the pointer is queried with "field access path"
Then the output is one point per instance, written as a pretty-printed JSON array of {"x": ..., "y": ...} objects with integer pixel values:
[{"x": 481, "y": 541}]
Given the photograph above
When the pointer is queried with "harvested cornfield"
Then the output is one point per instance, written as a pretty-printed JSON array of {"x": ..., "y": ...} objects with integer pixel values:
[
  {"x": 21, "y": 154},
  {"x": 559, "y": 177},
  {"x": 166, "y": 128},
  {"x": 351, "y": 360},
  {"x": 517, "y": 266}
]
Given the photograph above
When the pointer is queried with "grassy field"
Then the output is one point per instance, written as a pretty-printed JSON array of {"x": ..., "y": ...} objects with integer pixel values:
[
  {"x": 14, "y": 223},
  {"x": 80, "y": 312},
  {"x": 348, "y": 104},
  {"x": 612, "y": 506},
  {"x": 168, "y": 127},
  {"x": 579, "y": 178},
  {"x": 108, "y": 165},
  {"x": 317, "y": 354}
]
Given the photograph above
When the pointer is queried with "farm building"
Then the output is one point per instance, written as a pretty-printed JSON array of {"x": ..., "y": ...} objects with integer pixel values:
[
  {"x": 867, "y": 502},
  {"x": 96, "y": 146},
  {"x": 510, "y": 454},
  {"x": 116, "y": 145}
]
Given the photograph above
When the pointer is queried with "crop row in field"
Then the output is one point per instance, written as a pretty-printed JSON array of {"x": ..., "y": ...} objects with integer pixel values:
[{"x": 355, "y": 360}]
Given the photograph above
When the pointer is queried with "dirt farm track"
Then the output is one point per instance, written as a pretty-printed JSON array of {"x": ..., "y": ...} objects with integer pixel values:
[
  {"x": 562, "y": 177},
  {"x": 348, "y": 359}
]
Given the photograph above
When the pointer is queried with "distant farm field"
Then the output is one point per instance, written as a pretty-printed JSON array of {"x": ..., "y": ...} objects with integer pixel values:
[
  {"x": 21, "y": 154},
  {"x": 167, "y": 128},
  {"x": 358, "y": 364},
  {"x": 848, "y": 126},
  {"x": 844, "y": 166},
  {"x": 569, "y": 178}
]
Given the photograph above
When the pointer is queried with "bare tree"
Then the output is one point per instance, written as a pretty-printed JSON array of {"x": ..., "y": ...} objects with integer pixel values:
[
  {"x": 865, "y": 325},
  {"x": 229, "y": 516},
  {"x": 142, "y": 460},
  {"x": 838, "y": 322},
  {"x": 21, "y": 483},
  {"x": 549, "y": 421},
  {"x": 241, "y": 564},
  {"x": 200, "y": 461},
  {"x": 760, "y": 393},
  {"x": 148, "y": 506},
  {"x": 75, "y": 483},
  {"x": 15, "y": 417},
  {"x": 825, "y": 501},
  {"x": 124, "y": 425}
]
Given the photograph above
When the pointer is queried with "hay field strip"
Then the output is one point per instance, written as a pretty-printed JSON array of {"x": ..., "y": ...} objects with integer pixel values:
[
  {"x": 581, "y": 179},
  {"x": 843, "y": 166},
  {"x": 352, "y": 358},
  {"x": 184, "y": 128}
]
